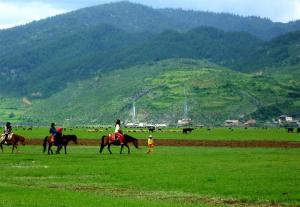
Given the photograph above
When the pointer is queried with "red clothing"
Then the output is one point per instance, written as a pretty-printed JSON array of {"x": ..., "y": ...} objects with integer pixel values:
[{"x": 120, "y": 137}]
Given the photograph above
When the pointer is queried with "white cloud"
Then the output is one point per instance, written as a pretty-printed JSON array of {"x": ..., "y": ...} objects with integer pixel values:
[{"x": 12, "y": 14}]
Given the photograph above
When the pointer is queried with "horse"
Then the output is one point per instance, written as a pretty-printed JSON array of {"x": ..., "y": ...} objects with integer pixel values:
[
  {"x": 64, "y": 142},
  {"x": 105, "y": 141},
  {"x": 15, "y": 139}
]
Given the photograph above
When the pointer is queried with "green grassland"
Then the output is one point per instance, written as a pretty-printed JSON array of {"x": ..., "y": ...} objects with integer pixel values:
[
  {"x": 12, "y": 109},
  {"x": 171, "y": 176},
  {"x": 271, "y": 134}
]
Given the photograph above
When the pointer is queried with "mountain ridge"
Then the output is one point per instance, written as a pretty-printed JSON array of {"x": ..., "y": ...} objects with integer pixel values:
[
  {"x": 73, "y": 68},
  {"x": 139, "y": 18}
]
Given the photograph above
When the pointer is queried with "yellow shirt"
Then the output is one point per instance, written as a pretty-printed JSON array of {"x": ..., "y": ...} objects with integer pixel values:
[{"x": 150, "y": 142}]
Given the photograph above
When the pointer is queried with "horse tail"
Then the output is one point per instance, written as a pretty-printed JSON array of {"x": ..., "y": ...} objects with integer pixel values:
[
  {"x": 45, "y": 144},
  {"x": 102, "y": 140}
]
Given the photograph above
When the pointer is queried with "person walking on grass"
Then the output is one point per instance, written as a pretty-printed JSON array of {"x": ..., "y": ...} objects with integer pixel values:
[{"x": 150, "y": 144}]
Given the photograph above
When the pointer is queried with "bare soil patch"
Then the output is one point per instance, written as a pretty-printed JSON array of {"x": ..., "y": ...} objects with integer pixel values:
[{"x": 195, "y": 143}]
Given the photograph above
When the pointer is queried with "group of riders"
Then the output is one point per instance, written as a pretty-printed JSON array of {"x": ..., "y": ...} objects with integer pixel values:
[{"x": 56, "y": 134}]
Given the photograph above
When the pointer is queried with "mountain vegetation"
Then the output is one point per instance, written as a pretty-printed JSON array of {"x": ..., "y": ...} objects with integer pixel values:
[{"x": 97, "y": 61}]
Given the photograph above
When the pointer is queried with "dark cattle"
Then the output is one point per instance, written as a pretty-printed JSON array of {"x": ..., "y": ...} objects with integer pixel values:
[
  {"x": 151, "y": 129},
  {"x": 186, "y": 130},
  {"x": 290, "y": 130}
]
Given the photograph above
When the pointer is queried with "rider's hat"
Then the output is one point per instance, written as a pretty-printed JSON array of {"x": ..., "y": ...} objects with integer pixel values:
[{"x": 150, "y": 136}]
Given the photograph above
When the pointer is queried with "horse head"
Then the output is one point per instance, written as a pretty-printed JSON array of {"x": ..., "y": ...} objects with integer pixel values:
[
  {"x": 75, "y": 139},
  {"x": 134, "y": 141}
]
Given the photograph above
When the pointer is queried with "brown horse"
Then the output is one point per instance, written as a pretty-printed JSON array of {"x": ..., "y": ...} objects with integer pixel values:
[
  {"x": 105, "y": 141},
  {"x": 15, "y": 139},
  {"x": 64, "y": 142}
]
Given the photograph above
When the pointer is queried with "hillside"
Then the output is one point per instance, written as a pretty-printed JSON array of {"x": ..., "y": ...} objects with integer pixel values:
[
  {"x": 45, "y": 67},
  {"x": 41, "y": 58},
  {"x": 214, "y": 94},
  {"x": 88, "y": 66},
  {"x": 139, "y": 18},
  {"x": 281, "y": 51}
]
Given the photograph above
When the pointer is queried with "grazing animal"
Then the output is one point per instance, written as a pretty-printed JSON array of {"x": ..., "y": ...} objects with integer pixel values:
[
  {"x": 151, "y": 129},
  {"x": 15, "y": 139},
  {"x": 290, "y": 129},
  {"x": 298, "y": 130},
  {"x": 186, "y": 130},
  {"x": 65, "y": 141},
  {"x": 105, "y": 141}
]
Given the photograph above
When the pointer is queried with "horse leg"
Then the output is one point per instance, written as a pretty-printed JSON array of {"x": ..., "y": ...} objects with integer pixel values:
[
  {"x": 58, "y": 149},
  {"x": 49, "y": 149},
  {"x": 102, "y": 147},
  {"x": 13, "y": 147},
  {"x": 108, "y": 147},
  {"x": 122, "y": 145},
  {"x": 1, "y": 147},
  {"x": 65, "y": 149},
  {"x": 128, "y": 148}
]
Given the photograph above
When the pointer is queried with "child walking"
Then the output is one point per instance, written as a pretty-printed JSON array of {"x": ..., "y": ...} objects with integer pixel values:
[{"x": 150, "y": 145}]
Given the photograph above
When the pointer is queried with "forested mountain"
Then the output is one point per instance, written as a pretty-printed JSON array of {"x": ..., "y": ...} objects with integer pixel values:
[
  {"x": 138, "y": 18},
  {"x": 90, "y": 49},
  {"x": 281, "y": 51},
  {"x": 35, "y": 66}
]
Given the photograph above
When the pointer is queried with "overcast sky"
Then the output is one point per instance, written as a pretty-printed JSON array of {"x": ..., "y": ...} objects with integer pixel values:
[{"x": 16, "y": 12}]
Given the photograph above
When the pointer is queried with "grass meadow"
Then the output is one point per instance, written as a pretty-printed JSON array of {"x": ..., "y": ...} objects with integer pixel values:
[
  {"x": 274, "y": 134},
  {"x": 171, "y": 176}
]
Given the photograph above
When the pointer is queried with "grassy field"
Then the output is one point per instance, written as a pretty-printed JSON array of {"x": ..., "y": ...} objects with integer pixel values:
[
  {"x": 171, "y": 176},
  {"x": 277, "y": 134}
]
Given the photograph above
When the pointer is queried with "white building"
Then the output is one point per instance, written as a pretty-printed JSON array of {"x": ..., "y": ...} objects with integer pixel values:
[
  {"x": 231, "y": 123},
  {"x": 284, "y": 119}
]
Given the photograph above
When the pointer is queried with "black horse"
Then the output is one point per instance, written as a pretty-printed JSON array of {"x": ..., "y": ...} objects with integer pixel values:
[
  {"x": 106, "y": 141},
  {"x": 64, "y": 142}
]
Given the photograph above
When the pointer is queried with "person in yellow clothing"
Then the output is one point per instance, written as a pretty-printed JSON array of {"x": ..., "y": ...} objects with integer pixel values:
[{"x": 150, "y": 144}]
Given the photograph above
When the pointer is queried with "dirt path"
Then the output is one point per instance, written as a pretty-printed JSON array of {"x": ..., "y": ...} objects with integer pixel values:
[{"x": 199, "y": 143}]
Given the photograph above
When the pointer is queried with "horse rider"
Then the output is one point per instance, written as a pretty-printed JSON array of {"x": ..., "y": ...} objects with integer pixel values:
[
  {"x": 118, "y": 132},
  {"x": 7, "y": 131},
  {"x": 53, "y": 131}
]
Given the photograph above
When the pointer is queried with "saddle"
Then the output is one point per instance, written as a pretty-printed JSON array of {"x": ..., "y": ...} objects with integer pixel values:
[{"x": 115, "y": 137}]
